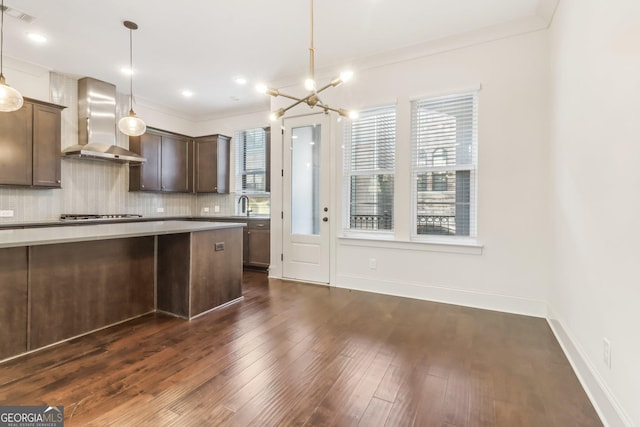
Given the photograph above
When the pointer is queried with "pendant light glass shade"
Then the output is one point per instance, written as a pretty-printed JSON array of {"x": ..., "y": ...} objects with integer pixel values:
[
  {"x": 10, "y": 99},
  {"x": 131, "y": 125}
]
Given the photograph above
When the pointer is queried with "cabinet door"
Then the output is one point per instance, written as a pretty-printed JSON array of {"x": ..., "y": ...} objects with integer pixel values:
[
  {"x": 175, "y": 170},
  {"x": 16, "y": 142},
  {"x": 259, "y": 250},
  {"x": 212, "y": 164},
  {"x": 206, "y": 176},
  {"x": 146, "y": 177},
  {"x": 46, "y": 146}
]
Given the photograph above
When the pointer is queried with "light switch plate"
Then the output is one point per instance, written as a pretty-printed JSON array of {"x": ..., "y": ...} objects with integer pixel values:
[
  {"x": 160, "y": 210},
  {"x": 6, "y": 213}
]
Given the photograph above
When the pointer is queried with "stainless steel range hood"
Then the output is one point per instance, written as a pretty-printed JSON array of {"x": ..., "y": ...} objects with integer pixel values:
[{"x": 97, "y": 125}]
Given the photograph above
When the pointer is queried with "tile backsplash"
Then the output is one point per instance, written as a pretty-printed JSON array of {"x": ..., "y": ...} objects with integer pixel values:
[{"x": 94, "y": 186}]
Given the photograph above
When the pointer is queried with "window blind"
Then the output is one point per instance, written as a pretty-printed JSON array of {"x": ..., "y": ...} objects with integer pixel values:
[
  {"x": 444, "y": 163},
  {"x": 369, "y": 170},
  {"x": 251, "y": 161}
]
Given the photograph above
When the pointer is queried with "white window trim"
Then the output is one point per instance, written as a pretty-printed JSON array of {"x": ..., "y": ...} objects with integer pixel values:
[{"x": 455, "y": 245}]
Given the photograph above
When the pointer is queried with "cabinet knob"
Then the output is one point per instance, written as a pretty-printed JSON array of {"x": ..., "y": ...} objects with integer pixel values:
[
  {"x": 248, "y": 232},
  {"x": 58, "y": 181},
  {"x": 215, "y": 188},
  {"x": 142, "y": 186}
]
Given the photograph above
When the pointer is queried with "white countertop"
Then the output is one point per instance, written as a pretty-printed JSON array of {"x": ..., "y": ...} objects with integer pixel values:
[{"x": 65, "y": 234}]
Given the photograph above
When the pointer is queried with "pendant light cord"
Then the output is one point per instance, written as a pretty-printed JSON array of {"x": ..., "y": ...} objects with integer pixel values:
[
  {"x": 2, "y": 39},
  {"x": 130, "y": 69}
]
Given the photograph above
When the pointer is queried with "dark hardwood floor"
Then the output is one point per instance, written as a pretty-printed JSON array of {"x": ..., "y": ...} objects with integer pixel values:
[{"x": 293, "y": 354}]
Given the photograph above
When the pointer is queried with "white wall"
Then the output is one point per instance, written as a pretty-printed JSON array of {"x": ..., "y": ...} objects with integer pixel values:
[
  {"x": 512, "y": 271},
  {"x": 595, "y": 50}
]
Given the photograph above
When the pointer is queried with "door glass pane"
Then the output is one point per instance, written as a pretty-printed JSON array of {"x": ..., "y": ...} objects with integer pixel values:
[{"x": 305, "y": 180}]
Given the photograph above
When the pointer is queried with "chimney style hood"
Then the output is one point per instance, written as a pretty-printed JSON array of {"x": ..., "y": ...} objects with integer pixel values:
[{"x": 97, "y": 125}]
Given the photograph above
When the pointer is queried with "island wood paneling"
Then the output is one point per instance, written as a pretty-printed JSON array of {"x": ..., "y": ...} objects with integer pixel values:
[
  {"x": 82, "y": 286},
  {"x": 216, "y": 275},
  {"x": 174, "y": 253},
  {"x": 193, "y": 277},
  {"x": 13, "y": 301}
]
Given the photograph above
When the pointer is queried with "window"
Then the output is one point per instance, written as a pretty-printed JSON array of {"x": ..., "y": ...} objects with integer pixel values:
[
  {"x": 251, "y": 157},
  {"x": 369, "y": 169},
  {"x": 444, "y": 160}
]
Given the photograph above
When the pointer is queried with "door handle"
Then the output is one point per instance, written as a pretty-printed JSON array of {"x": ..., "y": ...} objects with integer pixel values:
[{"x": 325, "y": 219}]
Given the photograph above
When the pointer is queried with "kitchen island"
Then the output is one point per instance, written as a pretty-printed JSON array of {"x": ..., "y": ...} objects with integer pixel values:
[{"x": 60, "y": 282}]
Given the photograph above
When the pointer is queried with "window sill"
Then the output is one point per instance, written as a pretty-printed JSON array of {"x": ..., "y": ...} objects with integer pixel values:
[{"x": 466, "y": 247}]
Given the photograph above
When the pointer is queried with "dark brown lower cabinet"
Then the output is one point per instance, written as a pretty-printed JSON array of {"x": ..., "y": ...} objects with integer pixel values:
[
  {"x": 199, "y": 271},
  {"x": 79, "y": 287},
  {"x": 258, "y": 248},
  {"x": 13, "y": 301}
]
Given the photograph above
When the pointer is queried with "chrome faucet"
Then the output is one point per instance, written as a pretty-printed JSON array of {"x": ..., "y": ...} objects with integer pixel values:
[{"x": 243, "y": 201}]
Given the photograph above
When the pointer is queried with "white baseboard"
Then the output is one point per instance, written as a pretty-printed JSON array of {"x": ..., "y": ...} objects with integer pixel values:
[
  {"x": 484, "y": 300},
  {"x": 605, "y": 404}
]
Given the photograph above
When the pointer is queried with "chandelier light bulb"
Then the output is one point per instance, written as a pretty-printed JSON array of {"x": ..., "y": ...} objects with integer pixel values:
[
  {"x": 275, "y": 115},
  {"x": 345, "y": 76},
  {"x": 310, "y": 84},
  {"x": 353, "y": 115},
  {"x": 262, "y": 88}
]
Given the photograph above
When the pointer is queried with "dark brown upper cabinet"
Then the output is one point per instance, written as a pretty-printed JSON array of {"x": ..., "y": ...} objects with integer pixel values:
[
  {"x": 30, "y": 145},
  {"x": 211, "y": 172},
  {"x": 169, "y": 162}
]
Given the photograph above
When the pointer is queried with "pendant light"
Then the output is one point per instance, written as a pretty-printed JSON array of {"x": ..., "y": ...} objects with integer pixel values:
[
  {"x": 10, "y": 99},
  {"x": 131, "y": 125}
]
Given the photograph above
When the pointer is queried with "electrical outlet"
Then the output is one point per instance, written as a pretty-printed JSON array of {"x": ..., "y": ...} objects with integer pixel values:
[
  {"x": 206, "y": 209},
  {"x": 606, "y": 352},
  {"x": 216, "y": 208},
  {"x": 372, "y": 263},
  {"x": 160, "y": 210},
  {"x": 6, "y": 213}
]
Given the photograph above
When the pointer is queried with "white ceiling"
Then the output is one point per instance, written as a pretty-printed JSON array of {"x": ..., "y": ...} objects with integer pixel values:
[{"x": 202, "y": 45}]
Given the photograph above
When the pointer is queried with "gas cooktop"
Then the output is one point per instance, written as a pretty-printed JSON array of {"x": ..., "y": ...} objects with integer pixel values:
[{"x": 96, "y": 217}]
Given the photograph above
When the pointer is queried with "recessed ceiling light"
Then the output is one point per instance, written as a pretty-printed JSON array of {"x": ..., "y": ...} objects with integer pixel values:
[
  {"x": 240, "y": 80},
  {"x": 126, "y": 70},
  {"x": 187, "y": 93},
  {"x": 37, "y": 38}
]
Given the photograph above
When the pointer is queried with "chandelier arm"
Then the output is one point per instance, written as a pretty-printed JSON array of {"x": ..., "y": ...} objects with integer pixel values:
[
  {"x": 325, "y": 87},
  {"x": 291, "y": 97}
]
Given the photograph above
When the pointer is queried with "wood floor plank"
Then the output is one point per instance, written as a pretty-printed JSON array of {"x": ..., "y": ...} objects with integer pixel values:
[{"x": 293, "y": 354}]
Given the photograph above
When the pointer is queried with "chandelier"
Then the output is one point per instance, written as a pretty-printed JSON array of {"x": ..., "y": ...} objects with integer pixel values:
[{"x": 312, "y": 99}]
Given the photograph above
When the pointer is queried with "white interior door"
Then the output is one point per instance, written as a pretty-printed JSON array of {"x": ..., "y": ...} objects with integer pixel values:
[{"x": 306, "y": 182}]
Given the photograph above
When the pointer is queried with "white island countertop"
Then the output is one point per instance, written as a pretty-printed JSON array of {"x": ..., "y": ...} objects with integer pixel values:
[{"x": 82, "y": 233}]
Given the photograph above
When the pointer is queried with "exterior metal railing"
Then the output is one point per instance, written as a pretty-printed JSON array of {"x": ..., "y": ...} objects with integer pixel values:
[{"x": 436, "y": 224}]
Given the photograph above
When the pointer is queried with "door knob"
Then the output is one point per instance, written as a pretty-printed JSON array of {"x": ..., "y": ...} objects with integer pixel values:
[{"x": 325, "y": 219}]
